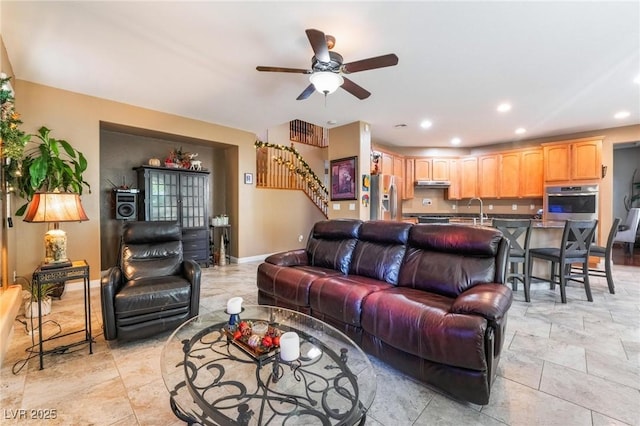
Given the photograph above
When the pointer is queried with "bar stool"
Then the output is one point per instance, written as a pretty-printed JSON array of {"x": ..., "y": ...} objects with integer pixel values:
[
  {"x": 574, "y": 248},
  {"x": 605, "y": 252},
  {"x": 518, "y": 253}
]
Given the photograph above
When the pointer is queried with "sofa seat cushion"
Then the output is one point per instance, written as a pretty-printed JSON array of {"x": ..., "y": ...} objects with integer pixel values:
[
  {"x": 420, "y": 323},
  {"x": 152, "y": 295},
  {"x": 341, "y": 297},
  {"x": 290, "y": 283}
]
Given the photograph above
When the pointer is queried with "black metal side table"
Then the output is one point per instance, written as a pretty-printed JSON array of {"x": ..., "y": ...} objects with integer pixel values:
[{"x": 79, "y": 269}]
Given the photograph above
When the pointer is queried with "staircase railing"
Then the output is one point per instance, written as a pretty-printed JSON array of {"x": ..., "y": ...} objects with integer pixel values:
[{"x": 282, "y": 167}]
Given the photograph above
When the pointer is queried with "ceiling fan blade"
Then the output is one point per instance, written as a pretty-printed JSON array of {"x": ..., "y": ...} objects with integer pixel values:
[
  {"x": 281, "y": 69},
  {"x": 306, "y": 92},
  {"x": 357, "y": 91},
  {"x": 319, "y": 45},
  {"x": 371, "y": 63}
]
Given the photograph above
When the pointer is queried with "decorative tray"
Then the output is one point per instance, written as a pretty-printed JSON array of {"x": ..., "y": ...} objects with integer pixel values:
[{"x": 259, "y": 344}]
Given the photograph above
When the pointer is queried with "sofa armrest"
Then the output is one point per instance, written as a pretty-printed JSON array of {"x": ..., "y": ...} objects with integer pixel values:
[
  {"x": 109, "y": 285},
  {"x": 490, "y": 301},
  {"x": 289, "y": 258},
  {"x": 192, "y": 272}
]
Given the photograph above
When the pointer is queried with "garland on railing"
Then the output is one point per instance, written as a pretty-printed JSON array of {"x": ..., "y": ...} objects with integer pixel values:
[{"x": 305, "y": 171}]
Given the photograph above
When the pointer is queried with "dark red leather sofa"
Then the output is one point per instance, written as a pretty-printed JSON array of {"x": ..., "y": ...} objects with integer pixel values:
[{"x": 428, "y": 299}]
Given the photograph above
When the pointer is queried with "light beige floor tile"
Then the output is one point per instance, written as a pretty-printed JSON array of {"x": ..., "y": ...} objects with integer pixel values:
[
  {"x": 614, "y": 370},
  {"x": 611, "y": 399},
  {"x": 602, "y": 420},
  {"x": 516, "y": 404},
  {"x": 562, "y": 353},
  {"x": 446, "y": 412},
  {"x": 520, "y": 367}
]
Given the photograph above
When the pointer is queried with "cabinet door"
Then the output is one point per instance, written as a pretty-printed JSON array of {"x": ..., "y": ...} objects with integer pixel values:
[
  {"x": 387, "y": 164},
  {"x": 557, "y": 162},
  {"x": 488, "y": 176},
  {"x": 194, "y": 195},
  {"x": 468, "y": 177},
  {"x": 398, "y": 166},
  {"x": 162, "y": 195},
  {"x": 453, "y": 192},
  {"x": 586, "y": 160},
  {"x": 440, "y": 169},
  {"x": 423, "y": 168},
  {"x": 531, "y": 174},
  {"x": 510, "y": 175},
  {"x": 409, "y": 178}
]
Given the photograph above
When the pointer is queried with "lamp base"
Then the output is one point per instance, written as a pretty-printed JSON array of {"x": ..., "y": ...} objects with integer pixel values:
[{"x": 55, "y": 246}]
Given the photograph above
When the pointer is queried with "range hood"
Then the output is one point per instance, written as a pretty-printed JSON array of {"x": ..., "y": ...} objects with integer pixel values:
[{"x": 433, "y": 183}]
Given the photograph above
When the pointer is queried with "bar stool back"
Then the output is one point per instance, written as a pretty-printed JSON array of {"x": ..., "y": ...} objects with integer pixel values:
[
  {"x": 574, "y": 248},
  {"x": 605, "y": 252},
  {"x": 518, "y": 252}
]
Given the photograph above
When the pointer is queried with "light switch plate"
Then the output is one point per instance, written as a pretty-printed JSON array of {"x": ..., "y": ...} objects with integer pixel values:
[
  {"x": 514, "y": 207},
  {"x": 352, "y": 206},
  {"x": 336, "y": 206}
]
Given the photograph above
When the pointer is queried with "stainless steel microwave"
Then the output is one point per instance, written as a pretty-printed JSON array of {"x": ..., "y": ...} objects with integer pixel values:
[{"x": 571, "y": 202}]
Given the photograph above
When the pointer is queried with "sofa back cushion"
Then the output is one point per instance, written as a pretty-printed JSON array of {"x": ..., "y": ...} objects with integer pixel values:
[
  {"x": 331, "y": 243},
  {"x": 380, "y": 249},
  {"x": 449, "y": 259},
  {"x": 151, "y": 249}
]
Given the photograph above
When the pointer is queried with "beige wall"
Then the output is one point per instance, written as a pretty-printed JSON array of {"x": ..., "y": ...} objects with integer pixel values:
[{"x": 347, "y": 141}]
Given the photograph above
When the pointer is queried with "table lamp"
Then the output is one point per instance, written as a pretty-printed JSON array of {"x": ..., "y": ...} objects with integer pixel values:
[{"x": 55, "y": 207}]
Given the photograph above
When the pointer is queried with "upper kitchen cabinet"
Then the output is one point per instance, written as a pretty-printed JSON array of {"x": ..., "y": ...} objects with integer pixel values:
[
  {"x": 409, "y": 178},
  {"x": 468, "y": 177},
  {"x": 423, "y": 169},
  {"x": 520, "y": 174},
  {"x": 386, "y": 161},
  {"x": 440, "y": 169},
  {"x": 488, "y": 176},
  {"x": 531, "y": 173},
  {"x": 453, "y": 192},
  {"x": 579, "y": 159}
]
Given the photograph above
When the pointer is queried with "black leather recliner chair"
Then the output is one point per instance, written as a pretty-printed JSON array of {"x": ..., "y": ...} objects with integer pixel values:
[{"x": 153, "y": 289}]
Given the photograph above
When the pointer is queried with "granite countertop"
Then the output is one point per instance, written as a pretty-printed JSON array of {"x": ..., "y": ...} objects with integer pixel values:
[{"x": 467, "y": 219}]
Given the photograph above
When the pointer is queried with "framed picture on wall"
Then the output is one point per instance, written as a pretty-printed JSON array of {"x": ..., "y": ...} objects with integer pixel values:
[{"x": 344, "y": 184}]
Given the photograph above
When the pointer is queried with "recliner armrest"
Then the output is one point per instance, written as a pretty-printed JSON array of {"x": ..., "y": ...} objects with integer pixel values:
[
  {"x": 289, "y": 258},
  {"x": 109, "y": 285},
  {"x": 490, "y": 301},
  {"x": 192, "y": 272}
]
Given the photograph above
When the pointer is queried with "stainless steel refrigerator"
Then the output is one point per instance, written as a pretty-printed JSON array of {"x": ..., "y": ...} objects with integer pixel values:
[{"x": 385, "y": 198}]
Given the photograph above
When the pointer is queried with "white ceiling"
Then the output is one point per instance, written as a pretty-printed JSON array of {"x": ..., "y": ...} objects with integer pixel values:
[{"x": 564, "y": 66}]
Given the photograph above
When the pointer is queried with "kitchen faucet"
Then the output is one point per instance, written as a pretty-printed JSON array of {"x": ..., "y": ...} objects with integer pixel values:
[{"x": 481, "y": 215}]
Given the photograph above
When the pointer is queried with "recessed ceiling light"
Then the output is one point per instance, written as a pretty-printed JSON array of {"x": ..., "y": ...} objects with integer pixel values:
[
  {"x": 332, "y": 122},
  {"x": 400, "y": 126},
  {"x": 521, "y": 130},
  {"x": 621, "y": 114},
  {"x": 504, "y": 107},
  {"x": 426, "y": 124},
  {"x": 456, "y": 141}
]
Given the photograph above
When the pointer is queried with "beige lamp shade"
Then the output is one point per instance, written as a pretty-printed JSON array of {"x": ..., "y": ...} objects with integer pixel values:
[{"x": 55, "y": 207}]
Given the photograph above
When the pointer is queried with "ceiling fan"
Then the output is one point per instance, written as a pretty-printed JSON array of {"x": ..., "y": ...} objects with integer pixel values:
[{"x": 328, "y": 70}]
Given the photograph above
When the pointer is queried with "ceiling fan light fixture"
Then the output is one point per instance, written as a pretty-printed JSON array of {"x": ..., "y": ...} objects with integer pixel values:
[{"x": 326, "y": 81}]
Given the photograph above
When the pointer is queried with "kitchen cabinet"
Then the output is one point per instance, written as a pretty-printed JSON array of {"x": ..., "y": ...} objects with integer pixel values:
[
  {"x": 398, "y": 166},
  {"x": 531, "y": 173},
  {"x": 423, "y": 169},
  {"x": 468, "y": 177},
  {"x": 440, "y": 169},
  {"x": 453, "y": 192},
  {"x": 488, "y": 176},
  {"x": 386, "y": 167},
  {"x": 409, "y": 179},
  {"x": 509, "y": 182},
  {"x": 178, "y": 195},
  {"x": 580, "y": 159}
]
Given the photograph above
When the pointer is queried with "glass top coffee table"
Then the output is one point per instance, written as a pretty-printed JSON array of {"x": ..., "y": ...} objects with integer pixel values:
[{"x": 213, "y": 378}]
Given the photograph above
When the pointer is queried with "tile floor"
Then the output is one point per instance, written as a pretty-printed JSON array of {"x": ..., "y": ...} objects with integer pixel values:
[{"x": 563, "y": 364}]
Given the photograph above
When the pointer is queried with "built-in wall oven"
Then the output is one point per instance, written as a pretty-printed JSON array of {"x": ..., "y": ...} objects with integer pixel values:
[{"x": 571, "y": 202}]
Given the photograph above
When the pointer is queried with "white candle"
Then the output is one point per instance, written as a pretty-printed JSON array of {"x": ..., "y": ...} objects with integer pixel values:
[
  {"x": 289, "y": 346},
  {"x": 234, "y": 305}
]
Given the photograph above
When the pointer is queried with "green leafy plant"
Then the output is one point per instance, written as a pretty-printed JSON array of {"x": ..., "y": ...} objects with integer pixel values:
[
  {"x": 51, "y": 165},
  {"x": 46, "y": 291}
]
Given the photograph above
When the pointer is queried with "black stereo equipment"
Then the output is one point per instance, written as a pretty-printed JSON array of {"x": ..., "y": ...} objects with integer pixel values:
[{"x": 126, "y": 205}]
